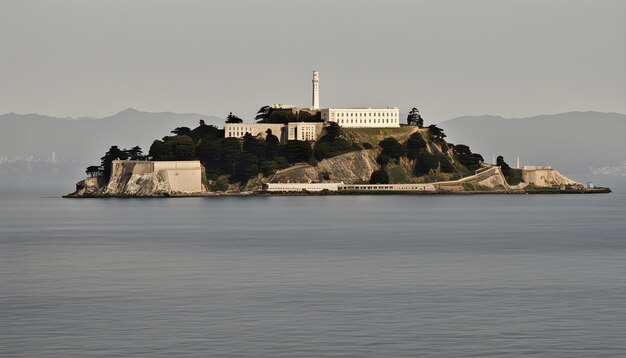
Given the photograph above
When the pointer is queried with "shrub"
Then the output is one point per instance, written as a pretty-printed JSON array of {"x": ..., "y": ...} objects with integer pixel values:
[
  {"x": 379, "y": 176},
  {"x": 367, "y": 145},
  {"x": 329, "y": 149},
  {"x": 424, "y": 163},
  {"x": 297, "y": 151},
  {"x": 221, "y": 184},
  {"x": 414, "y": 144},
  {"x": 392, "y": 148}
]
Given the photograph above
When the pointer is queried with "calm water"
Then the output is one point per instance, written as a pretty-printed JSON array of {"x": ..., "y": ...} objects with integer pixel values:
[{"x": 362, "y": 276}]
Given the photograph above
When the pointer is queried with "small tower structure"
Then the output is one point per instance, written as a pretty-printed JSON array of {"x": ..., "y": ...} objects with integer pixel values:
[{"x": 316, "y": 91}]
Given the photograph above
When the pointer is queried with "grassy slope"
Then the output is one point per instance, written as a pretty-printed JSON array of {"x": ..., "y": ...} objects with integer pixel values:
[{"x": 402, "y": 171}]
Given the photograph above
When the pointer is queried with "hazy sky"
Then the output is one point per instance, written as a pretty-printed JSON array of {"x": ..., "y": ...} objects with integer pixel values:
[{"x": 448, "y": 58}]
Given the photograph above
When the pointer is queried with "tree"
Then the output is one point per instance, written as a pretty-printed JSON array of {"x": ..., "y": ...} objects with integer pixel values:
[
  {"x": 247, "y": 167},
  {"x": 254, "y": 146},
  {"x": 268, "y": 167},
  {"x": 204, "y": 132},
  {"x": 466, "y": 157},
  {"x": 424, "y": 163},
  {"x": 231, "y": 118},
  {"x": 182, "y": 148},
  {"x": 379, "y": 176},
  {"x": 202, "y": 123},
  {"x": 263, "y": 114},
  {"x": 333, "y": 132},
  {"x": 414, "y": 118},
  {"x": 182, "y": 131},
  {"x": 159, "y": 150},
  {"x": 93, "y": 170},
  {"x": 444, "y": 164},
  {"x": 297, "y": 151},
  {"x": 436, "y": 133},
  {"x": 272, "y": 145},
  {"x": 208, "y": 152},
  {"x": 392, "y": 148},
  {"x": 512, "y": 176},
  {"x": 135, "y": 153},
  {"x": 230, "y": 153},
  {"x": 281, "y": 116},
  {"x": 506, "y": 169},
  {"x": 114, "y": 153},
  {"x": 414, "y": 144}
]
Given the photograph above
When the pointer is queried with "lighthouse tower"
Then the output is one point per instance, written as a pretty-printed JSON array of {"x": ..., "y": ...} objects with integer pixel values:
[{"x": 316, "y": 90}]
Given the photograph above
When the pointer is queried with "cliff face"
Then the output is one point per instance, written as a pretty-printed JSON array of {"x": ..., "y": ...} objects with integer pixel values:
[
  {"x": 348, "y": 168},
  {"x": 142, "y": 179},
  {"x": 147, "y": 184}
]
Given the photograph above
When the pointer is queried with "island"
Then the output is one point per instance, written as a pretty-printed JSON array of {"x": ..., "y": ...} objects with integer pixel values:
[{"x": 293, "y": 150}]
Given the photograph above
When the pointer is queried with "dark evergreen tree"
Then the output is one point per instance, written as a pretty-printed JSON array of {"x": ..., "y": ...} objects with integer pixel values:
[
  {"x": 135, "y": 153},
  {"x": 392, "y": 148},
  {"x": 230, "y": 153},
  {"x": 182, "y": 131},
  {"x": 297, "y": 151},
  {"x": 424, "y": 163},
  {"x": 159, "y": 150},
  {"x": 379, "y": 176},
  {"x": 436, "y": 133},
  {"x": 114, "y": 153},
  {"x": 93, "y": 170},
  {"x": 415, "y": 119},
  {"x": 414, "y": 144},
  {"x": 272, "y": 145},
  {"x": 231, "y": 118},
  {"x": 182, "y": 148}
]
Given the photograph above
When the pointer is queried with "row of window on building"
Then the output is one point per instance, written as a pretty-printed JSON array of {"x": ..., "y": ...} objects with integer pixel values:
[
  {"x": 363, "y": 121},
  {"x": 364, "y": 114}
]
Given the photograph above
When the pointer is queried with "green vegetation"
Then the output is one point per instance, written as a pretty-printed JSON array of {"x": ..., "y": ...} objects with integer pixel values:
[
  {"x": 424, "y": 163},
  {"x": 414, "y": 118},
  {"x": 465, "y": 156},
  {"x": 397, "y": 174},
  {"x": 391, "y": 148},
  {"x": 414, "y": 144},
  {"x": 333, "y": 143},
  {"x": 406, "y": 154},
  {"x": 512, "y": 176},
  {"x": 231, "y": 118},
  {"x": 379, "y": 176}
]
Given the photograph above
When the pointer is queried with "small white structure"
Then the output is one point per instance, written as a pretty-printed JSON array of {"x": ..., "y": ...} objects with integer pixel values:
[
  {"x": 363, "y": 117},
  {"x": 340, "y": 186},
  {"x": 300, "y": 187},
  {"x": 388, "y": 187},
  {"x": 316, "y": 91}
]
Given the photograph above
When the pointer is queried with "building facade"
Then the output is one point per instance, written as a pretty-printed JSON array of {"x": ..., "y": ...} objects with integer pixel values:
[
  {"x": 304, "y": 131},
  {"x": 238, "y": 130},
  {"x": 363, "y": 117},
  {"x": 182, "y": 176}
]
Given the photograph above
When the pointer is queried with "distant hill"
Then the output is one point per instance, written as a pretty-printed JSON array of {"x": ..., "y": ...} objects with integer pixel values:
[
  {"x": 572, "y": 142},
  {"x": 86, "y": 139}
]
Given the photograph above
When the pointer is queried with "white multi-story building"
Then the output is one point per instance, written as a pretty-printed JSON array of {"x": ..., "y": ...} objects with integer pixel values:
[
  {"x": 309, "y": 131},
  {"x": 238, "y": 130},
  {"x": 362, "y": 117},
  {"x": 305, "y": 131}
]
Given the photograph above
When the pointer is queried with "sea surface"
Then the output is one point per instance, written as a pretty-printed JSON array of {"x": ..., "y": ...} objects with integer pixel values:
[{"x": 325, "y": 276}]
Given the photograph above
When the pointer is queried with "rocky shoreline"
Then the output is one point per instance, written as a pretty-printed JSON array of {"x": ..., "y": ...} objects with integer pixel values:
[{"x": 598, "y": 190}]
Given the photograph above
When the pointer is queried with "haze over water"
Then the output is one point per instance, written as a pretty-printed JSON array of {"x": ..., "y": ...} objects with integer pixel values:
[{"x": 366, "y": 276}]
